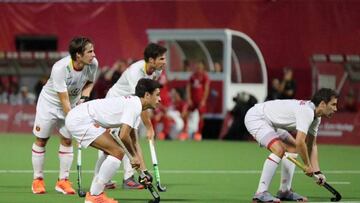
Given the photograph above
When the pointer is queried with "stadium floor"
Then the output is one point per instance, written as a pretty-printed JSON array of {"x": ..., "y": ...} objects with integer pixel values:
[{"x": 207, "y": 171}]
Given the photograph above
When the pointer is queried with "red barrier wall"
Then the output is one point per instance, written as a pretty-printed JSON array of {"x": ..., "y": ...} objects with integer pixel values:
[{"x": 287, "y": 32}]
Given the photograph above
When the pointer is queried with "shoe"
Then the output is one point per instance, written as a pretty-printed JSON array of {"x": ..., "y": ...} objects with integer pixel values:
[
  {"x": 183, "y": 136},
  {"x": 197, "y": 137},
  {"x": 161, "y": 136},
  {"x": 102, "y": 198},
  {"x": 264, "y": 197},
  {"x": 38, "y": 186},
  {"x": 110, "y": 185},
  {"x": 64, "y": 186},
  {"x": 291, "y": 196},
  {"x": 130, "y": 183}
]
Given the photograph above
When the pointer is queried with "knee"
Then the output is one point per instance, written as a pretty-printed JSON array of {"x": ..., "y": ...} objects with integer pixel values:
[
  {"x": 66, "y": 142},
  {"x": 41, "y": 142},
  {"x": 118, "y": 153},
  {"x": 278, "y": 150}
]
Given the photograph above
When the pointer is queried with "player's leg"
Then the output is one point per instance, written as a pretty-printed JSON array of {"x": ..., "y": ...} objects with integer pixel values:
[
  {"x": 66, "y": 157},
  {"x": 288, "y": 169},
  {"x": 266, "y": 136},
  {"x": 108, "y": 168},
  {"x": 43, "y": 126},
  {"x": 129, "y": 181}
]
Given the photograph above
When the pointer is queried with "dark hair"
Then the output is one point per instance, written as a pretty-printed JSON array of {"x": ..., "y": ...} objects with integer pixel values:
[
  {"x": 146, "y": 85},
  {"x": 153, "y": 50},
  {"x": 77, "y": 45},
  {"x": 323, "y": 94}
]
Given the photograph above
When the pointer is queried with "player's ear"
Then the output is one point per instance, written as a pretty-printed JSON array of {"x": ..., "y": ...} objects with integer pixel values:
[{"x": 151, "y": 60}]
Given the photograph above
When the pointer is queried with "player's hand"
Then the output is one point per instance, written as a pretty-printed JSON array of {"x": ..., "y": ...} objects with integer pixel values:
[
  {"x": 135, "y": 163},
  {"x": 150, "y": 134},
  {"x": 308, "y": 170},
  {"x": 145, "y": 178},
  {"x": 319, "y": 178}
]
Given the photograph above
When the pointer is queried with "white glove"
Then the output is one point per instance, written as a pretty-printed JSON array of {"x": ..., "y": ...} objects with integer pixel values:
[{"x": 319, "y": 178}]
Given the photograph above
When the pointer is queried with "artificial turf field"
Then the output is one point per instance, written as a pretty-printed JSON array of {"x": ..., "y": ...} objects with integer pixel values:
[{"x": 207, "y": 171}]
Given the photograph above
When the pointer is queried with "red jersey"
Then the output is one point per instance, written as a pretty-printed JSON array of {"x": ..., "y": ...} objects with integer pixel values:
[{"x": 198, "y": 82}]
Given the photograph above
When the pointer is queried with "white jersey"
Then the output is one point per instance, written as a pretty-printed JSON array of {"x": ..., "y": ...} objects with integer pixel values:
[
  {"x": 64, "y": 78},
  {"x": 291, "y": 115},
  {"x": 129, "y": 79},
  {"x": 112, "y": 112}
]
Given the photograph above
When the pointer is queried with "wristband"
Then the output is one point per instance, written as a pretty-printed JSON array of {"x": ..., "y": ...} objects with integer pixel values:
[{"x": 317, "y": 172}]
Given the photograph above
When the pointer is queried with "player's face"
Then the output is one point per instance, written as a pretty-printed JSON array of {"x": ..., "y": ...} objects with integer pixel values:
[
  {"x": 155, "y": 99},
  {"x": 159, "y": 63},
  {"x": 330, "y": 108},
  {"x": 88, "y": 55}
]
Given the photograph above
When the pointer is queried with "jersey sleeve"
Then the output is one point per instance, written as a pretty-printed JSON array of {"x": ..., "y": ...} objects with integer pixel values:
[
  {"x": 304, "y": 119},
  {"x": 58, "y": 75},
  {"x": 131, "y": 113},
  {"x": 93, "y": 70}
]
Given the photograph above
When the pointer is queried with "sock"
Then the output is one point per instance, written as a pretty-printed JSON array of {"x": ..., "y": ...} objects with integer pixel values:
[
  {"x": 106, "y": 172},
  {"x": 270, "y": 165},
  {"x": 101, "y": 158},
  {"x": 287, "y": 172},
  {"x": 66, "y": 157},
  {"x": 128, "y": 169},
  {"x": 38, "y": 157}
]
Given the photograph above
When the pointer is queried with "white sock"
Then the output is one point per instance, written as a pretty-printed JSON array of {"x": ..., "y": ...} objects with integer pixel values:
[
  {"x": 38, "y": 157},
  {"x": 101, "y": 158},
  {"x": 287, "y": 172},
  {"x": 66, "y": 157},
  {"x": 270, "y": 165},
  {"x": 106, "y": 172},
  {"x": 128, "y": 169}
]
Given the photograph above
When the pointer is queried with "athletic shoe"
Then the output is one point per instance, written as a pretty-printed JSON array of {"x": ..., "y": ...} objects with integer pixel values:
[
  {"x": 291, "y": 196},
  {"x": 64, "y": 186},
  {"x": 183, "y": 136},
  {"x": 130, "y": 183},
  {"x": 38, "y": 186},
  {"x": 264, "y": 197},
  {"x": 102, "y": 198},
  {"x": 197, "y": 137},
  {"x": 110, "y": 185},
  {"x": 161, "y": 136}
]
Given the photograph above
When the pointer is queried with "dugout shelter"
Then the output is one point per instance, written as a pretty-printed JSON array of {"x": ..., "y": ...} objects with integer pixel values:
[{"x": 233, "y": 61}]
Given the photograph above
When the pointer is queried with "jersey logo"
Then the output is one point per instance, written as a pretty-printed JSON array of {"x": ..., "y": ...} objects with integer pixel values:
[
  {"x": 302, "y": 102},
  {"x": 37, "y": 128}
]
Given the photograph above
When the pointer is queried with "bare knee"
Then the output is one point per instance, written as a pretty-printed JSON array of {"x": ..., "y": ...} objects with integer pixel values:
[
  {"x": 65, "y": 141},
  {"x": 278, "y": 149},
  {"x": 41, "y": 142}
]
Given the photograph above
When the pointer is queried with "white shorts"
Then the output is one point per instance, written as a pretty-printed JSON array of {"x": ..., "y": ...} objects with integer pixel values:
[
  {"x": 261, "y": 129},
  {"x": 82, "y": 127},
  {"x": 47, "y": 117}
]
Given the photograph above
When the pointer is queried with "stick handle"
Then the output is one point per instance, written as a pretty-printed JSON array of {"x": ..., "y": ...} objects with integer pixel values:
[{"x": 152, "y": 152}]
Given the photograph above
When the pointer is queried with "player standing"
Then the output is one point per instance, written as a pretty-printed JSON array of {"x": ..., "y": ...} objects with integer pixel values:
[
  {"x": 270, "y": 123},
  {"x": 89, "y": 124},
  {"x": 71, "y": 81},
  {"x": 150, "y": 67}
]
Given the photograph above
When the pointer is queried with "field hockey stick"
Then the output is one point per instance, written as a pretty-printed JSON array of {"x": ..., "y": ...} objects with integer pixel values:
[
  {"x": 81, "y": 192},
  {"x": 150, "y": 187},
  {"x": 156, "y": 167},
  {"x": 326, "y": 185}
]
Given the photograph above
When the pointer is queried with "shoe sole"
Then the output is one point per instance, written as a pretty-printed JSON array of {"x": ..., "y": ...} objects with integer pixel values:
[
  {"x": 259, "y": 201},
  {"x": 38, "y": 193},
  {"x": 132, "y": 187},
  {"x": 62, "y": 191}
]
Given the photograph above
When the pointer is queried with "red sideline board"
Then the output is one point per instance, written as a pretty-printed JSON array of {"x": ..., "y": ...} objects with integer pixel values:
[{"x": 18, "y": 118}]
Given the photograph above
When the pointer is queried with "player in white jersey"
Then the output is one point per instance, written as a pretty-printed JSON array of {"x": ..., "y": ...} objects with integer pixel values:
[
  {"x": 270, "y": 123},
  {"x": 89, "y": 123},
  {"x": 71, "y": 81},
  {"x": 150, "y": 67}
]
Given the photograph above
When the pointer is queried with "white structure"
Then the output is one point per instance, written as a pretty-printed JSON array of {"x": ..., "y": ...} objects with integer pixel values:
[{"x": 243, "y": 66}]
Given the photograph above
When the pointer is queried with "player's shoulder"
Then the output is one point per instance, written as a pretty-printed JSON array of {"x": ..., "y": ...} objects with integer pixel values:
[{"x": 63, "y": 62}]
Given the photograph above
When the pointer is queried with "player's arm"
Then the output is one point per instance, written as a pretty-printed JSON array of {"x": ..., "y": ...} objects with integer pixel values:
[
  {"x": 145, "y": 117},
  {"x": 85, "y": 94},
  {"x": 206, "y": 91},
  {"x": 138, "y": 150},
  {"x": 313, "y": 152},
  {"x": 124, "y": 135},
  {"x": 188, "y": 92},
  {"x": 301, "y": 148},
  {"x": 65, "y": 101}
]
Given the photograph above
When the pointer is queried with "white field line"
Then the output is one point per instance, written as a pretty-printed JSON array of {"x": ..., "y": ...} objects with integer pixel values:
[{"x": 192, "y": 172}]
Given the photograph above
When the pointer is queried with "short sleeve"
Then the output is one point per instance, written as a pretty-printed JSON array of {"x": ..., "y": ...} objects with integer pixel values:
[
  {"x": 58, "y": 75},
  {"x": 304, "y": 119}
]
